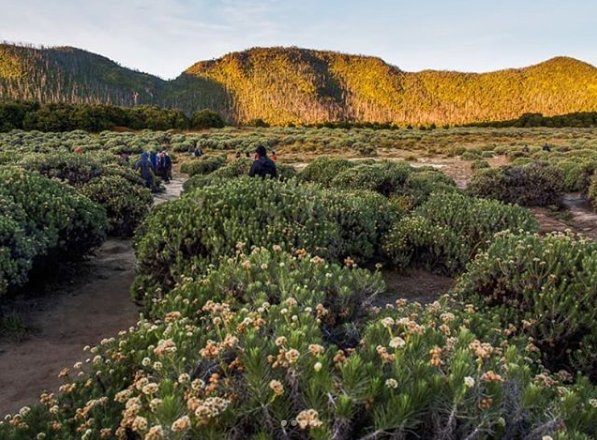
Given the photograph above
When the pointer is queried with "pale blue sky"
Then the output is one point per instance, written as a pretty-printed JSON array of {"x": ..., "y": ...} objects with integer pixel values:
[{"x": 164, "y": 37}]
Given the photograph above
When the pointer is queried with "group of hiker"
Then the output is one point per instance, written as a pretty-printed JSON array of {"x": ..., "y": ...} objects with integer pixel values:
[
  {"x": 152, "y": 163},
  {"x": 160, "y": 164}
]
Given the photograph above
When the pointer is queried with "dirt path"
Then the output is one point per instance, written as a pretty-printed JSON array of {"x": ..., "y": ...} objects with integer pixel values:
[{"x": 93, "y": 306}]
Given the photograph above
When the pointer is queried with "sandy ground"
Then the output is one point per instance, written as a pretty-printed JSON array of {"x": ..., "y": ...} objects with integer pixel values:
[{"x": 92, "y": 305}]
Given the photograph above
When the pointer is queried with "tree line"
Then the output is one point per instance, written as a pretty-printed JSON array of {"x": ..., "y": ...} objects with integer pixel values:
[
  {"x": 578, "y": 119},
  {"x": 59, "y": 117}
]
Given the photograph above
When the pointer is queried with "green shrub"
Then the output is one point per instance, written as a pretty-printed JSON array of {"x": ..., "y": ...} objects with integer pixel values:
[
  {"x": 49, "y": 222},
  {"x": 17, "y": 250},
  {"x": 471, "y": 155},
  {"x": 385, "y": 178},
  {"x": 324, "y": 169},
  {"x": 480, "y": 164},
  {"x": 265, "y": 345},
  {"x": 69, "y": 167},
  {"x": 203, "y": 165},
  {"x": 126, "y": 204},
  {"x": 206, "y": 119},
  {"x": 233, "y": 170},
  {"x": 448, "y": 230},
  {"x": 546, "y": 288},
  {"x": 209, "y": 222},
  {"x": 535, "y": 184}
]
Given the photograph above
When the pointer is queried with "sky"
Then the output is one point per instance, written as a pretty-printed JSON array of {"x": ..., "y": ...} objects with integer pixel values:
[{"x": 164, "y": 37}]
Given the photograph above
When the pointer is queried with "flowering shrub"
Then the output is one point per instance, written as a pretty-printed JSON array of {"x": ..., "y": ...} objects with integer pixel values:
[
  {"x": 187, "y": 235},
  {"x": 534, "y": 184},
  {"x": 249, "y": 352},
  {"x": 446, "y": 231},
  {"x": 44, "y": 221},
  {"x": 546, "y": 288},
  {"x": 126, "y": 204}
]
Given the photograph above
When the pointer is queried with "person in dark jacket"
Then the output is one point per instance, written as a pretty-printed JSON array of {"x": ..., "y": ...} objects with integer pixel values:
[
  {"x": 263, "y": 165},
  {"x": 153, "y": 158},
  {"x": 166, "y": 166},
  {"x": 144, "y": 165}
]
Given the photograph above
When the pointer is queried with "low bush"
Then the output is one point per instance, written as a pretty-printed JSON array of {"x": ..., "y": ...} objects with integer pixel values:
[
  {"x": 49, "y": 221},
  {"x": 233, "y": 170},
  {"x": 70, "y": 167},
  {"x": 324, "y": 169},
  {"x": 543, "y": 287},
  {"x": 203, "y": 165},
  {"x": 126, "y": 203},
  {"x": 448, "y": 230},
  {"x": 534, "y": 184},
  {"x": 408, "y": 185},
  {"x": 274, "y": 346},
  {"x": 187, "y": 235}
]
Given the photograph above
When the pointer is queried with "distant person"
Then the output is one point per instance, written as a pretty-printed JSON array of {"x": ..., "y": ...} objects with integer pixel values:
[
  {"x": 153, "y": 158},
  {"x": 238, "y": 156},
  {"x": 197, "y": 152},
  {"x": 144, "y": 165},
  {"x": 124, "y": 156},
  {"x": 263, "y": 165},
  {"x": 525, "y": 149},
  {"x": 274, "y": 157},
  {"x": 248, "y": 155},
  {"x": 78, "y": 150},
  {"x": 166, "y": 167},
  {"x": 546, "y": 148}
]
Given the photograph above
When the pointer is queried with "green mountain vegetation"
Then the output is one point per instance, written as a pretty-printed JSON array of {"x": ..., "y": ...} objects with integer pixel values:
[{"x": 300, "y": 86}]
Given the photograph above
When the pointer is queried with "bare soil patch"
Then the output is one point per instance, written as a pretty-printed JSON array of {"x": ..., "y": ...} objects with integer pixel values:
[{"x": 414, "y": 285}]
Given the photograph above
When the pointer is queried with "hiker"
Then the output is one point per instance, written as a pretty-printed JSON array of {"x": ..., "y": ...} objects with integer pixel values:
[
  {"x": 546, "y": 148},
  {"x": 197, "y": 152},
  {"x": 144, "y": 165},
  {"x": 153, "y": 158},
  {"x": 78, "y": 150},
  {"x": 166, "y": 166},
  {"x": 238, "y": 155},
  {"x": 525, "y": 149},
  {"x": 263, "y": 165},
  {"x": 274, "y": 157},
  {"x": 248, "y": 155}
]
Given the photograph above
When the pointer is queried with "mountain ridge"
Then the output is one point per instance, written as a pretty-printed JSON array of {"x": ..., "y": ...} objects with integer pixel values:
[{"x": 283, "y": 85}]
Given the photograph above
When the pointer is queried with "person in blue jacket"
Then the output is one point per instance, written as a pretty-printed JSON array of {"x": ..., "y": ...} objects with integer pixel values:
[
  {"x": 153, "y": 158},
  {"x": 144, "y": 166}
]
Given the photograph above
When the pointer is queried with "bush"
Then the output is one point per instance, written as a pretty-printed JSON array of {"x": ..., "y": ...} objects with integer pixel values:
[
  {"x": 206, "y": 119},
  {"x": 386, "y": 178},
  {"x": 233, "y": 170},
  {"x": 126, "y": 204},
  {"x": 480, "y": 164},
  {"x": 17, "y": 250},
  {"x": 203, "y": 165},
  {"x": 209, "y": 222},
  {"x": 49, "y": 221},
  {"x": 324, "y": 169},
  {"x": 448, "y": 230},
  {"x": 545, "y": 288},
  {"x": 271, "y": 335},
  {"x": 397, "y": 180},
  {"x": 70, "y": 167},
  {"x": 534, "y": 184},
  {"x": 187, "y": 235}
]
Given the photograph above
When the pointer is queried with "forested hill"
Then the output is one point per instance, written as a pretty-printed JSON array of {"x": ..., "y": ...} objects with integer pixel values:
[{"x": 291, "y": 85}]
